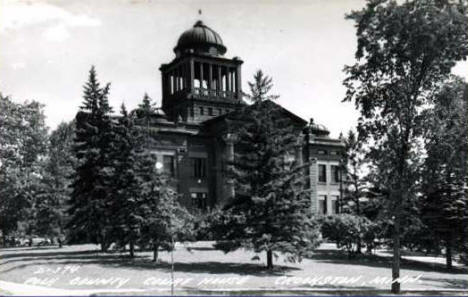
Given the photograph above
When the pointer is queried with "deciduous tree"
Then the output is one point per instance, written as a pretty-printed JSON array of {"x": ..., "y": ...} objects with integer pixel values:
[
  {"x": 23, "y": 144},
  {"x": 444, "y": 198},
  {"x": 54, "y": 194},
  {"x": 405, "y": 50}
]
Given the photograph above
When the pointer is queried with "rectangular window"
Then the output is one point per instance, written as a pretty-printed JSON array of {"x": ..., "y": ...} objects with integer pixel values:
[
  {"x": 335, "y": 173},
  {"x": 199, "y": 200},
  {"x": 192, "y": 114},
  {"x": 210, "y": 111},
  {"x": 322, "y": 152},
  {"x": 322, "y": 174},
  {"x": 335, "y": 207},
  {"x": 202, "y": 111},
  {"x": 322, "y": 204},
  {"x": 220, "y": 111},
  {"x": 199, "y": 167},
  {"x": 168, "y": 165}
]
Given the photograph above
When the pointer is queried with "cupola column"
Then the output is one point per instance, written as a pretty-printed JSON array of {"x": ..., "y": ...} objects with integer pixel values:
[
  {"x": 210, "y": 76},
  {"x": 231, "y": 75},
  {"x": 201, "y": 75},
  {"x": 228, "y": 80},
  {"x": 220, "y": 81},
  {"x": 176, "y": 83},
  {"x": 192, "y": 75},
  {"x": 239, "y": 82},
  {"x": 164, "y": 85}
]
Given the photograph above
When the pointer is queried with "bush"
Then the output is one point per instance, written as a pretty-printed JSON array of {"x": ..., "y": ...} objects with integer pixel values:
[
  {"x": 347, "y": 231},
  {"x": 206, "y": 225},
  {"x": 371, "y": 234}
]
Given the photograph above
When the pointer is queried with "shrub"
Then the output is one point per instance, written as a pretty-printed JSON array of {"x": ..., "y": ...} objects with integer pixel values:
[
  {"x": 347, "y": 230},
  {"x": 206, "y": 225}
]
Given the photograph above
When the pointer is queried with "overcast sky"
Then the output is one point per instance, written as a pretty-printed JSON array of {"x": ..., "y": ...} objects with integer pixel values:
[{"x": 47, "y": 48}]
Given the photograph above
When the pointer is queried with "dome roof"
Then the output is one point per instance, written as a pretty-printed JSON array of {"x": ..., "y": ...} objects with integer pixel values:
[
  {"x": 318, "y": 129},
  {"x": 158, "y": 112},
  {"x": 200, "y": 39}
]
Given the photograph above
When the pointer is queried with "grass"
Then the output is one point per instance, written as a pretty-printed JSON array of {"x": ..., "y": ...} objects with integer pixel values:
[{"x": 201, "y": 269}]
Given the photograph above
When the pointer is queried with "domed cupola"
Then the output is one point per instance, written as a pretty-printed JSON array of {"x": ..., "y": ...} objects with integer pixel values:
[
  {"x": 200, "y": 83},
  {"x": 318, "y": 129},
  {"x": 201, "y": 40}
]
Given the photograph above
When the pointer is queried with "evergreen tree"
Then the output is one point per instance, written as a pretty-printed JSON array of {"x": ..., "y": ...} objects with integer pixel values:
[
  {"x": 54, "y": 195},
  {"x": 126, "y": 199},
  {"x": 146, "y": 108},
  {"x": 165, "y": 220},
  {"x": 94, "y": 148},
  {"x": 270, "y": 212},
  {"x": 445, "y": 208},
  {"x": 354, "y": 181},
  {"x": 353, "y": 165}
]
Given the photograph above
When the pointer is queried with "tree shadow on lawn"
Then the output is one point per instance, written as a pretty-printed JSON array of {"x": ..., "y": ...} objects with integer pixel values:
[
  {"x": 143, "y": 262},
  {"x": 200, "y": 248},
  {"x": 139, "y": 263},
  {"x": 20, "y": 257},
  {"x": 340, "y": 257},
  {"x": 28, "y": 248},
  {"x": 211, "y": 267},
  {"x": 448, "y": 283}
]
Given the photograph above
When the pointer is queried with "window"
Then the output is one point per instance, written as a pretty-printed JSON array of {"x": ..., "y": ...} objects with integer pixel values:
[
  {"x": 202, "y": 111},
  {"x": 220, "y": 111},
  {"x": 199, "y": 167},
  {"x": 192, "y": 114},
  {"x": 335, "y": 173},
  {"x": 335, "y": 206},
  {"x": 322, "y": 204},
  {"x": 210, "y": 111},
  {"x": 322, "y": 177},
  {"x": 322, "y": 152},
  {"x": 199, "y": 200},
  {"x": 168, "y": 165}
]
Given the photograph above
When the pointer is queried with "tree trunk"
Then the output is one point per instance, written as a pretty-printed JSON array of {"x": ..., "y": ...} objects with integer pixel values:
[
  {"x": 132, "y": 249},
  {"x": 358, "y": 212},
  {"x": 448, "y": 251},
  {"x": 59, "y": 242},
  {"x": 104, "y": 247},
  {"x": 396, "y": 254},
  {"x": 4, "y": 238},
  {"x": 269, "y": 259},
  {"x": 155, "y": 252}
]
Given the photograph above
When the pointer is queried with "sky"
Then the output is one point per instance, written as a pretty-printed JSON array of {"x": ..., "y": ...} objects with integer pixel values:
[{"x": 48, "y": 47}]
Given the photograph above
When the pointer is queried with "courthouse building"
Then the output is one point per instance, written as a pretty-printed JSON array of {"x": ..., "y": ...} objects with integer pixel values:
[{"x": 190, "y": 133}]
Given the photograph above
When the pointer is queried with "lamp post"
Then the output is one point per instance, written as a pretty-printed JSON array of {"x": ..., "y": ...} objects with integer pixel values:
[{"x": 159, "y": 166}]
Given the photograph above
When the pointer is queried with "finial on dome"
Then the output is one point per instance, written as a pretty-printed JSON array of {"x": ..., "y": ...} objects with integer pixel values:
[{"x": 199, "y": 23}]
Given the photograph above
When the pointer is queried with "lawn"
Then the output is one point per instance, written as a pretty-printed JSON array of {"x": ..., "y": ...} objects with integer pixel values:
[{"x": 200, "y": 268}]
